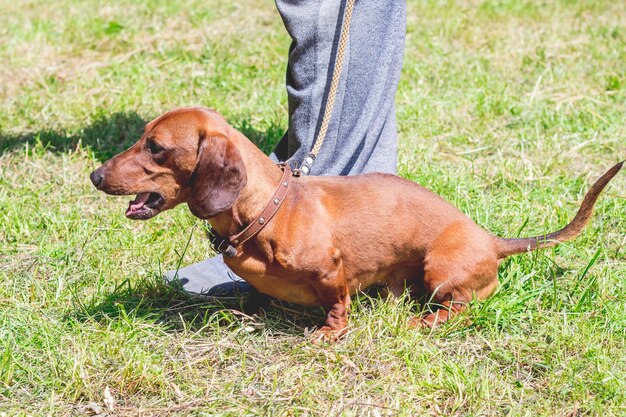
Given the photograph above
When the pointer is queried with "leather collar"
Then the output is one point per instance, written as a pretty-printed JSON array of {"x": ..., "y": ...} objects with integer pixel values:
[{"x": 227, "y": 246}]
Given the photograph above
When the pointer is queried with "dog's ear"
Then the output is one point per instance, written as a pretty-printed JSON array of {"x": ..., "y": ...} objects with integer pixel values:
[{"x": 218, "y": 177}]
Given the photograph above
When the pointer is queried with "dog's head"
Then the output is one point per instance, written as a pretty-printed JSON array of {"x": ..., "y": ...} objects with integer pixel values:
[{"x": 185, "y": 155}]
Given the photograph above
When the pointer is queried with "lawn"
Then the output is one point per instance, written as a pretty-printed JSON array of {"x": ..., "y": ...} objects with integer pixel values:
[{"x": 508, "y": 109}]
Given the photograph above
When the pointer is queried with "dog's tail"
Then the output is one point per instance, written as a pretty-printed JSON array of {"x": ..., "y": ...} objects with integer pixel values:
[{"x": 508, "y": 247}]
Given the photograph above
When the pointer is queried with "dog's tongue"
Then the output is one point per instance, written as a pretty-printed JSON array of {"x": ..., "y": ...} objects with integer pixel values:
[{"x": 138, "y": 202}]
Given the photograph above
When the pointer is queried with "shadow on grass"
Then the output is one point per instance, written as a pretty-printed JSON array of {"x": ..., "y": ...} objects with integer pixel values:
[
  {"x": 110, "y": 134},
  {"x": 153, "y": 300},
  {"x": 266, "y": 139},
  {"x": 105, "y": 137}
]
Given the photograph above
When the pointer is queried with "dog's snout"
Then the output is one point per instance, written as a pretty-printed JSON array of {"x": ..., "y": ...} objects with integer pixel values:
[{"x": 97, "y": 177}]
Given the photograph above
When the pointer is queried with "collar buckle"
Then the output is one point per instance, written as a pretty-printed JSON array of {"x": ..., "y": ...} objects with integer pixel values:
[
  {"x": 229, "y": 250},
  {"x": 221, "y": 244}
]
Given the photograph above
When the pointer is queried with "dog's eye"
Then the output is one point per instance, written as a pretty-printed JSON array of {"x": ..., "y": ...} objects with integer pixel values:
[{"x": 154, "y": 148}]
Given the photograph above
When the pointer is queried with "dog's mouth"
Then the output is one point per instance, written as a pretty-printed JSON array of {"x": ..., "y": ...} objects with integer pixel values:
[{"x": 144, "y": 206}]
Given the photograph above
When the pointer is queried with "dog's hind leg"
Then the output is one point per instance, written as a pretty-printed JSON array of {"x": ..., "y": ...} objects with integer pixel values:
[{"x": 461, "y": 264}]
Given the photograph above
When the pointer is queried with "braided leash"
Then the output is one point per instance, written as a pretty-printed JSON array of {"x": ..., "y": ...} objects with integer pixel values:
[{"x": 334, "y": 84}]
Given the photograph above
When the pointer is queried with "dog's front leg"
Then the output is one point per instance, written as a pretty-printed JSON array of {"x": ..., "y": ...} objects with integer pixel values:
[
  {"x": 336, "y": 321},
  {"x": 334, "y": 294}
]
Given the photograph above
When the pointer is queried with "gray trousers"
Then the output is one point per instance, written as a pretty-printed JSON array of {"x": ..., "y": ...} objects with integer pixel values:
[{"x": 362, "y": 134}]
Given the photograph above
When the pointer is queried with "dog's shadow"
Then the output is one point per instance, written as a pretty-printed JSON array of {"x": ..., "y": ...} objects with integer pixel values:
[{"x": 155, "y": 301}]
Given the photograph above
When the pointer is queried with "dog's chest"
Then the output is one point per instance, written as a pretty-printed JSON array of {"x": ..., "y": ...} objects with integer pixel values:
[
  {"x": 288, "y": 286},
  {"x": 284, "y": 289}
]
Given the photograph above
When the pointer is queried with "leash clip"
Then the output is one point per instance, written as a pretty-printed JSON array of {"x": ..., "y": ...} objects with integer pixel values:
[{"x": 305, "y": 168}]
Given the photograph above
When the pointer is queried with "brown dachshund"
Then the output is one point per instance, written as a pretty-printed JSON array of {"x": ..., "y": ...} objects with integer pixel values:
[{"x": 330, "y": 236}]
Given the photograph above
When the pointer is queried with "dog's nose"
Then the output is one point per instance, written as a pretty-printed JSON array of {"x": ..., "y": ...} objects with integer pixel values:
[{"x": 96, "y": 177}]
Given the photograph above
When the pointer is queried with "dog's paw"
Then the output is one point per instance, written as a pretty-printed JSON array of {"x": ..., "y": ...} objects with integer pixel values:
[
  {"x": 327, "y": 335},
  {"x": 436, "y": 319},
  {"x": 415, "y": 323},
  {"x": 424, "y": 322}
]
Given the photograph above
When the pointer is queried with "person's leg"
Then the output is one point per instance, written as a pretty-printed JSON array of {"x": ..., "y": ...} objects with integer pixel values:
[
  {"x": 362, "y": 134},
  {"x": 209, "y": 277}
]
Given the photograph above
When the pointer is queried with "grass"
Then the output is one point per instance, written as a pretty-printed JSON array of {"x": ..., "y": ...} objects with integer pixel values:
[{"x": 508, "y": 109}]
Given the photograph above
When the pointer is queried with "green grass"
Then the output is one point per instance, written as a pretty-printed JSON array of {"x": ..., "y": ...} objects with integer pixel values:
[{"x": 508, "y": 109}]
